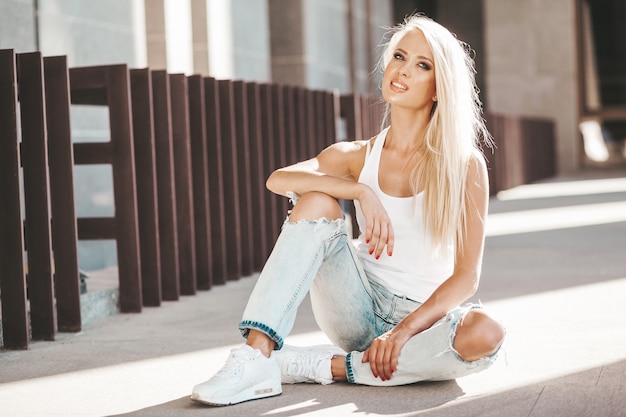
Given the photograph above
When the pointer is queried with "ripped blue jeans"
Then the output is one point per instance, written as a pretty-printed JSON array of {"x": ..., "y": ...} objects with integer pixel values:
[{"x": 318, "y": 256}]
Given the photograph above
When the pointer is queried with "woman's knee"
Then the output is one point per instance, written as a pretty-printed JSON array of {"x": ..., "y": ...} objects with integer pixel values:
[
  {"x": 315, "y": 205},
  {"x": 478, "y": 336}
]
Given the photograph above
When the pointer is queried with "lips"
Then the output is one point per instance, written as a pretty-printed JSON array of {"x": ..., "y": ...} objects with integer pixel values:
[{"x": 399, "y": 86}]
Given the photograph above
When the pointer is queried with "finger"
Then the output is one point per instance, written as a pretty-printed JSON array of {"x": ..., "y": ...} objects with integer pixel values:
[
  {"x": 375, "y": 238},
  {"x": 387, "y": 364},
  {"x": 390, "y": 241},
  {"x": 372, "y": 360},
  {"x": 368, "y": 231},
  {"x": 394, "y": 360},
  {"x": 366, "y": 356},
  {"x": 381, "y": 242},
  {"x": 380, "y": 363}
]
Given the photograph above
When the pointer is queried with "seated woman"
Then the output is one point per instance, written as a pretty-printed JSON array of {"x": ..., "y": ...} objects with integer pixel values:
[{"x": 392, "y": 305}]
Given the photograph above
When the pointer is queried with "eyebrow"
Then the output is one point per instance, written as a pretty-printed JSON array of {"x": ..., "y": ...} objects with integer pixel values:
[{"x": 419, "y": 56}]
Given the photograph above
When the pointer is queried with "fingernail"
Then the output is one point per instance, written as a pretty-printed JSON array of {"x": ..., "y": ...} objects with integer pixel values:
[
  {"x": 377, "y": 256},
  {"x": 389, "y": 253},
  {"x": 367, "y": 241},
  {"x": 371, "y": 251}
]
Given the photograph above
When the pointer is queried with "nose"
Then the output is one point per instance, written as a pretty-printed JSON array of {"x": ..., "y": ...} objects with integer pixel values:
[{"x": 404, "y": 70}]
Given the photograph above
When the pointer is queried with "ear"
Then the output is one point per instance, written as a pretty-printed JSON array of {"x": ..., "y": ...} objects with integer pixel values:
[{"x": 435, "y": 98}]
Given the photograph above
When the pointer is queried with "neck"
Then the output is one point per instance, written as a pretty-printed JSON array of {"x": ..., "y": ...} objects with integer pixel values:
[{"x": 407, "y": 129}]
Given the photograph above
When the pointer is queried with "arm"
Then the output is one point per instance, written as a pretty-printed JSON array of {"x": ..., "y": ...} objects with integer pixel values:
[
  {"x": 335, "y": 172},
  {"x": 332, "y": 172},
  {"x": 462, "y": 284}
]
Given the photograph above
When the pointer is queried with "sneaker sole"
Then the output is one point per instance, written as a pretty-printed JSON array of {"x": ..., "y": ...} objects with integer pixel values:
[{"x": 257, "y": 392}]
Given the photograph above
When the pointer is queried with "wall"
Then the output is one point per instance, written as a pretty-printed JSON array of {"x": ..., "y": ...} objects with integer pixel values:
[
  {"x": 531, "y": 66},
  {"x": 251, "y": 40},
  {"x": 17, "y": 25},
  {"x": 328, "y": 43},
  {"x": 93, "y": 32}
]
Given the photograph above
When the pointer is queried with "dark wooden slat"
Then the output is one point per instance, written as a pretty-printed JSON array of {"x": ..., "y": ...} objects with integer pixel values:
[
  {"x": 242, "y": 137},
  {"x": 311, "y": 131},
  {"x": 351, "y": 112},
  {"x": 96, "y": 228},
  {"x": 365, "y": 117},
  {"x": 112, "y": 82},
  {"x": 495, "y": 126},
  {"x": 269, "y": 164},
  {"x": 168, "y": 232},
  {"x": 145, "y": 170},
  {"x": 320, "y": 120},
  {"x": 200, "y": 182},
  {"x": 333, "y": 113},
  {"x": 216, "y": 183},
  {"x": 93, "y": 153},
  {"x": 279, "y": 145},
  {"x": 61, "y": 163},
  {"x": 89, "y": 85},
  {"x": 125, "y": 190},
  {"x": 36, "y": 188},
  {"x": 183, "y": 188},
  {"x": 538, "y": 149},
  {"x": 257, "y": 176},
  {"x": 289, "y": 119},
  {"x": 298, "y": 125},
  {"x": 230, "y": 179},
  {"x": 12, "y": 284}
]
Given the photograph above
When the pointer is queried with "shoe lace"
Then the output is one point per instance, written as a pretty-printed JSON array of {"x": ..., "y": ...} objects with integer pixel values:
[
  {"x": 235, "y": 363},
  {"x": 304, "y": 366}
]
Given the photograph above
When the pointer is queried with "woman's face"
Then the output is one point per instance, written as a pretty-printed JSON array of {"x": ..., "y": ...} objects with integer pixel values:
[{"x": 409, "y": 79}]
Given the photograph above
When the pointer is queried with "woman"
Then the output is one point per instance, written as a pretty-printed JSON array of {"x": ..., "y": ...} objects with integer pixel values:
[{"x": 393, "y": 303}]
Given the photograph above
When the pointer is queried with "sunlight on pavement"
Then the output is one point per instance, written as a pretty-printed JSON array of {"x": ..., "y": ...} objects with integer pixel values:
[
  {"x": 538, "y": 220},
  {"x": 291, "y": 408},
  {"x": 499, "y": 224},
  {"x": 133, "y": 385},
  {"x": 563, "y": 189},
  {"x": 545, "y": 340}
]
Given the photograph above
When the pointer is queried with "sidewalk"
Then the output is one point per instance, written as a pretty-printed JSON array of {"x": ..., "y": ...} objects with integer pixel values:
[{"x": 554, "y": 272}]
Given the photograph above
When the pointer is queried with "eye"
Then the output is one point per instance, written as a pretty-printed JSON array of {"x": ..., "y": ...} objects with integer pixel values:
[
  {"x": 398, "y": 56},
  {"x": 424, "y": 65}
]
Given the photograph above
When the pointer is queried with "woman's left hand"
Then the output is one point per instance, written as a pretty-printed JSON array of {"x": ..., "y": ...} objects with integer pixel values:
[{"x": 384, "y": 351}]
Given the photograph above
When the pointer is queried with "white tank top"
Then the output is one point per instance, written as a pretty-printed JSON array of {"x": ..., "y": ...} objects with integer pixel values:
[{"x": 415, "y": 269}]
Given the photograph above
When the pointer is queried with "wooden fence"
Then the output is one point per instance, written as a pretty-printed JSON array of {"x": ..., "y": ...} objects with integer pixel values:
[
  {"x": 525, "y": 150},
  {"x": 189, "y": 158}
]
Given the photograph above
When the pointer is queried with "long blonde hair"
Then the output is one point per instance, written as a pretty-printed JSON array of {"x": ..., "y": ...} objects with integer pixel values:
[{"x": 453, "y": 134}]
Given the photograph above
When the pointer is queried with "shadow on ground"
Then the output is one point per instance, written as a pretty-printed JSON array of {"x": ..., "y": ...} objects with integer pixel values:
[
  {"x": 565, "y": 396},
  {"x": 341, "y": 397}
]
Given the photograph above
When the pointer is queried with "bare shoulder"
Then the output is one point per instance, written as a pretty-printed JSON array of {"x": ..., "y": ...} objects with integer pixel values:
[
  {"x": 477, "y": 173},
  {"x": 347, "y": 146},
  {"x": 350, "y": 154},
  {"x": 344, "y": 149}
]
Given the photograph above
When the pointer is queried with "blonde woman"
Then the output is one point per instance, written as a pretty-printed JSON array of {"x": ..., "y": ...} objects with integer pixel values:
[{"x": 393, "y": 305}]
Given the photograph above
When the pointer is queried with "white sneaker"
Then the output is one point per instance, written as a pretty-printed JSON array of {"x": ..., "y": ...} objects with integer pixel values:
[
  {"x": 246, "y": 375},
  {"x": 307, "y": 364}
]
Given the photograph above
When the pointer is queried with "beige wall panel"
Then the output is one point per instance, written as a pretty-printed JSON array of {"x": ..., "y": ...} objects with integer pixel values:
[{"x": 531, "y": 66}]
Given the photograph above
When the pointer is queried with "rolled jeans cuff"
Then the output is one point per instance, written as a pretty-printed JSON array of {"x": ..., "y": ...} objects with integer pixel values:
[{"x": 246, "y": 325}]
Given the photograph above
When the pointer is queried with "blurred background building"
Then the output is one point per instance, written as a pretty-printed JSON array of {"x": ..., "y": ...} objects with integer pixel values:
[{"x": 559, "y": 59}]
